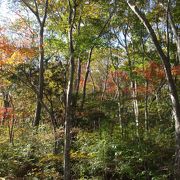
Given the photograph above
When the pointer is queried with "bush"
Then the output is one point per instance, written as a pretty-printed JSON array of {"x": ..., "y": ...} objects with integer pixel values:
[{"x": 113, "y": 156}]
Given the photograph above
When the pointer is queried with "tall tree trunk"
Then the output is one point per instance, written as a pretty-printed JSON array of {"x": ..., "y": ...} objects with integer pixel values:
[
  {"x": 146, "y": 84},
  {"x": 78, "y": 78},
  {"x": 175, "y": 32},
  {"x": 68, "y": 120},
  {"x": 69, "y": 108},
  {"x": 133, "y": 84},
  {"x": 41, "y": 79},
  {"x": 171, "y": 84},
  {"x": 41, "y": 20}
]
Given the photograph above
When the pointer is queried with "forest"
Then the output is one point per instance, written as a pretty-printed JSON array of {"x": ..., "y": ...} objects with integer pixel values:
[{"x": 90, "y": 89}]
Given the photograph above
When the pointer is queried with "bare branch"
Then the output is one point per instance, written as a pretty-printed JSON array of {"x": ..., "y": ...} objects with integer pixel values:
[
  {"x": 31, "y": 9},
  {"x": 45, "y": 13}
]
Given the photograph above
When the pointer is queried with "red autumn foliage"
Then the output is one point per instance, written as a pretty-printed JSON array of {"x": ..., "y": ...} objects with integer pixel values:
[
  {"x": 176, "y": 70},
  {"x": 117, "y": 77},
  {"x": 152, "y": 72},
  {"x": 111, "y": 87},
  {"x": 141, "y": 89},
  {"x": 6, "y": 114}
]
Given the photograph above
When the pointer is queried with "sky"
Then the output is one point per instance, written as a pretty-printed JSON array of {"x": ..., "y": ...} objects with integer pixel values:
[{"x": 5, "y": 12}]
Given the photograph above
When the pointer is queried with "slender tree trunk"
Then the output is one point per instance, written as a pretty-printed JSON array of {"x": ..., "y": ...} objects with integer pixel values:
[
  {"x": 105, "y": 82},
  {"x": 120, "y": 110},
  {"x": 175, "y": 33},
  {"x": 55, "y": 125},
  {"x": 171, "y": 84},
  {"x": 69, "y": 108},
  {"x": 146, "y": 107},
  {"x": 78, "y": 79},
  {"x": 86, "y": 76},
  {"x": 117, "y": 83},
  {"x": 158, "y": 105},
  {"x": 6, "y": 104},
  {"x": 146, "y": 112},
  {"x": 68, "y": 120},
  {"x": 133, "y": 84},
  {"x": 11, "y": 125},
  {"x": 41, "y": 20},
  {"x": 135, "y": 105},
  {"x": 94, "y": 87},
  {"x": 89, "y": 58},
  {"x": 41, "y": 79}
]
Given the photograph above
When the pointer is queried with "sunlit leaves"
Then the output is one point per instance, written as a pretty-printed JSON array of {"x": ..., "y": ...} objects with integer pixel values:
[{"x": 20, "y": 55}]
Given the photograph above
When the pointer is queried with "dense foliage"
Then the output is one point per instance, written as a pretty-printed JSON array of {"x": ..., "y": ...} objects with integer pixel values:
[{"x": 90, "y": 90}]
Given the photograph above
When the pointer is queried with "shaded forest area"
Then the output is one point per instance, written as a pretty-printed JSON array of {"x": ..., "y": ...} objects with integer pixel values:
[{"x": 89, "y": 89}]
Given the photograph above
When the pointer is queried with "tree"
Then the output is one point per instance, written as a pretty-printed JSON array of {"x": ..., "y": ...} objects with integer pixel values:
[
  {"x": 35, "y": 9},
  {"x": 171, "y": 83},
  {"x": 69, "y": 109},
  {"x": 99, "y": 35},
  {"x": 174, "y": 29}
]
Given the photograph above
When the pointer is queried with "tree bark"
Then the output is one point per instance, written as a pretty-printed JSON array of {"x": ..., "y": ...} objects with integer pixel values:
[
  {"x": 41, "y": 78},
  {"x": 69, "y": 108}
]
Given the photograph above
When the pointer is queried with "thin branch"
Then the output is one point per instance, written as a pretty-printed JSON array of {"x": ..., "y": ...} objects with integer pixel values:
[
  {"x": 31, "y": 9},
  {"x": 45, "y": 13}
]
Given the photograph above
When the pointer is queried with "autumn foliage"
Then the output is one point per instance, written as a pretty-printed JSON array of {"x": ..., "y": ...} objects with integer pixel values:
[{"x": 6, "y": 115}]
